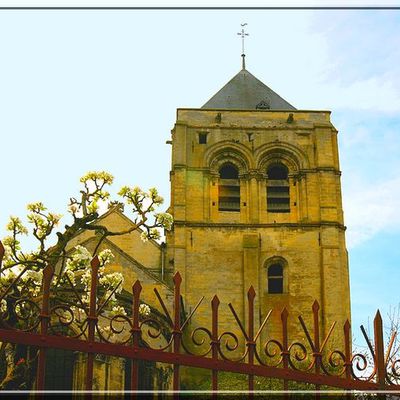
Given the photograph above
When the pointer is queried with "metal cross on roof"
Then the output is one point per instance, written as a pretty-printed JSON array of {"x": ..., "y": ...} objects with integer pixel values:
[{"x": 243, "y": 34}]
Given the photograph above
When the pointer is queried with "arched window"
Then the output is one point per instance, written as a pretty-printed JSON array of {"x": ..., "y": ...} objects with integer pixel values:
[
  {"x": 275, "y": 278},
  {"x": 229, "y": 188},
  {"x": 278, "y": 198}
]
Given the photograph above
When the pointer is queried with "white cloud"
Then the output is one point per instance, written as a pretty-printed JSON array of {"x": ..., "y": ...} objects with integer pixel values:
[
  {"x": 369, "y": 153},
  {"x": 355, "y": 58},
  {"x": 376, "y": 93},
  {"x": 371, "y": 210}
]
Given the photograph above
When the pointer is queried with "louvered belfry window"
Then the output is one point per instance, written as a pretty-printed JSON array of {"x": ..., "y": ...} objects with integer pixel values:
[
  {"x": 278, "y": 198},
  {"x": 229, "y": 188}
]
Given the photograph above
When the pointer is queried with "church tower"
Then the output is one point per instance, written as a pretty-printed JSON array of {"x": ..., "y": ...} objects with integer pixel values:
[{"x": 256, "y": 199}]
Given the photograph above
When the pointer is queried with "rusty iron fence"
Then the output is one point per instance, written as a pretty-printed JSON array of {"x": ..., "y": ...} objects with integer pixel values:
[{"x": 311, "y": 362}]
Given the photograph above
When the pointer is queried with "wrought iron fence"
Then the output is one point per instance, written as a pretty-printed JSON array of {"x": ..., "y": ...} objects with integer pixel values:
[{"x": 37, "y": 323}]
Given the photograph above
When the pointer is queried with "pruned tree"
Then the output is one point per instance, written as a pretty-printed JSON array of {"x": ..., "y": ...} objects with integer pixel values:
[
  {"x": 21, "y": 271},
  {"x": 85, "y": 213}
]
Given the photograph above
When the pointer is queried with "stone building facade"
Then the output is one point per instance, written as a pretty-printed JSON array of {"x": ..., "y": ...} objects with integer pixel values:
[{"x": 256, "y": 200}]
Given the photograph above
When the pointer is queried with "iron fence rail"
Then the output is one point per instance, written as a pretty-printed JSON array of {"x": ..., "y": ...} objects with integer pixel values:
[{"x": 293, "y": 361}]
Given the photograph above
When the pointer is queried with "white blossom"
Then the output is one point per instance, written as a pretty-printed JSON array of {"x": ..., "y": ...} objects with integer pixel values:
[
  {"x": 85, "y": 299},
  {"x": 112, "y": 279},
  {"x": 98, "y": 175},
  {"x": 165, "y": 220},
  {"x": 154, "y": 234},
  {"x": 144, "y": 310},
  {"x": 118, "y": 310},
  {"x": 70, "y": 275},
  {"x": 106, "y": 256},
  {"x": 82, "y": 253},
  {"x": 80, "y": 259},
  {"x": 35, "y": 276},
  {"x": 144, "y": 237},
  {"x": 15, "y": 224},
  {"x": 93, "y": 207},
  {"x": 3, "y": 306},
  {"x": 86, "y": 277}
]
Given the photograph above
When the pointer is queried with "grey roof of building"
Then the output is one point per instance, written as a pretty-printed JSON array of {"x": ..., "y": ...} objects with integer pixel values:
[{"x": 245, "y": 92}]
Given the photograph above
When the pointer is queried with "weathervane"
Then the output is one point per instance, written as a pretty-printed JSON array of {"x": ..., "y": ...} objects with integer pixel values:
[{"x": 243, "y": 34}]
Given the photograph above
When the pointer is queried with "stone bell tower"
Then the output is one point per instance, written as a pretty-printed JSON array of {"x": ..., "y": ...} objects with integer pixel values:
[{"x": 256, "y": 199}]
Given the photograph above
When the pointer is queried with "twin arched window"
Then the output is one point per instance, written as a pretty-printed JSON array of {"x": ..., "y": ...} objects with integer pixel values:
[
  {"x": 229, "y": 188},
  {"x": 278, "y": 198}
]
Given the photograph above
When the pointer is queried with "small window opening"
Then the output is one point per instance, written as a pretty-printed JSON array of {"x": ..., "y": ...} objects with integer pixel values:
[
  {"x": 202, "y": 138},
  {"x": 229, "y": 188},
  {"x": 278, "y": 196},
  {"x": 275, "y": 279}
]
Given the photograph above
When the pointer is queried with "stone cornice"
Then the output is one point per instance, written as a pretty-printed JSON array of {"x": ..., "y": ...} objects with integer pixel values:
[
  {"x": 298, "y": 129},
  {"x": 253, "y": 110},
  {"x": 261, "y": 174},
  {"x": 236, "y": 225}
]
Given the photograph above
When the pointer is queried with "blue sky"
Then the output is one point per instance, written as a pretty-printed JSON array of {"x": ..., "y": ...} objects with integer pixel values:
[{"x": 87, "y": 90}]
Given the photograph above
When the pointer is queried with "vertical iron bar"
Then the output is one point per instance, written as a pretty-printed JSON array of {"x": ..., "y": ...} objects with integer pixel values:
[
  {"x": 379, "y": 353},
  {"x": 317, "y": 354},
  {"x": 92, "y": 320},
  {"x": 214, "y": 344},
  {"x": 136, "y": 290},
  {"x": 177, "y": 279},
  {"x": 347, "y": 351},
  {"x": 285, "y": 352},
  {"x": 44, "y": 323},
  {"x": 251, "y": 294}
]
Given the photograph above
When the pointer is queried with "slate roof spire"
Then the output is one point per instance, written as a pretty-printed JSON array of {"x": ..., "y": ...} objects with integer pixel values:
[{"x": 245, "y": 92}]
